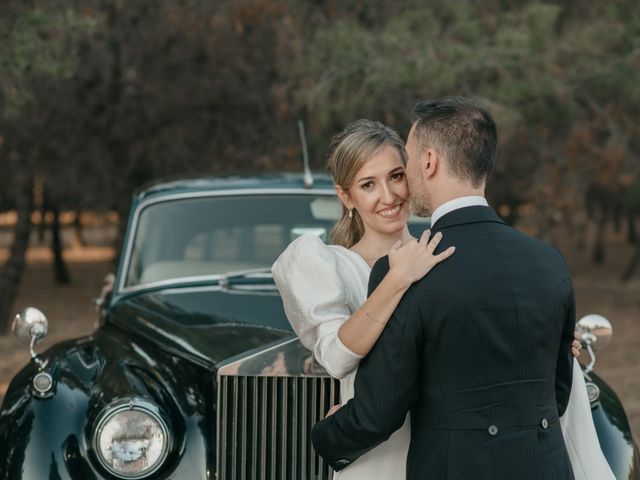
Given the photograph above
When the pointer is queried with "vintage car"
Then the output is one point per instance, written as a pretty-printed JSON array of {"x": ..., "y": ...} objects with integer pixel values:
[{"x": 193, "y": 372}]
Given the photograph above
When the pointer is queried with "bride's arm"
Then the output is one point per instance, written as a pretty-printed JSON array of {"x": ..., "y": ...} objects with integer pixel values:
[
  {"x": 316, "y": 302},
  {"x": 408, "y": 263}
]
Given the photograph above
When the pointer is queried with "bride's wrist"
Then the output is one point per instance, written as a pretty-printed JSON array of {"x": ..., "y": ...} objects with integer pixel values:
[{"x": 398, "y": 281}]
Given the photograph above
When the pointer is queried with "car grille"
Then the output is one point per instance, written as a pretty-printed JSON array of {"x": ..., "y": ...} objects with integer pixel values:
[{"x": 264, "y": 425}]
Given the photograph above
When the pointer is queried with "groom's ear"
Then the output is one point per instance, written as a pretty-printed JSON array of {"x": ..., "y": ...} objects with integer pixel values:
[{"x": 430, "y": 162}]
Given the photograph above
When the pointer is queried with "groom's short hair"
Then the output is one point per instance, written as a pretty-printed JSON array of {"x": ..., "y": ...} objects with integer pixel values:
[{"x": 463, "y": 131}]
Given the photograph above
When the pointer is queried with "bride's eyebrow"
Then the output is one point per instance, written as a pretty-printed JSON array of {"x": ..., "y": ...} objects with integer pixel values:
[
  {"x": 365, "y": 178},
  {"x": 396, "y": 170}
]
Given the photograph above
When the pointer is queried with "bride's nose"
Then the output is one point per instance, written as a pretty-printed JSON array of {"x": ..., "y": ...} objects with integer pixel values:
[{"x": 386, "y": 195}]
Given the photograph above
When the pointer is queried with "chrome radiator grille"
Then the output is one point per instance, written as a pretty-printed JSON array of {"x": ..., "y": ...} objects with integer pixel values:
[{"x": 265, "y": 419}]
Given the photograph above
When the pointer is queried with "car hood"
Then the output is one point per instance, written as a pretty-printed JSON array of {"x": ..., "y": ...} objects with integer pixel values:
[{"x": 208, "y": 325}]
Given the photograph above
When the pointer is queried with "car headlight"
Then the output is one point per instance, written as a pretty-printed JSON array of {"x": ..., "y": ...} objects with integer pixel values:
[{"x": 131, "y": 439}]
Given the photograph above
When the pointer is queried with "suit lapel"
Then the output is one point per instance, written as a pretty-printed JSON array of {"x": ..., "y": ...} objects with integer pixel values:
[{"x": 466, "y": 215}]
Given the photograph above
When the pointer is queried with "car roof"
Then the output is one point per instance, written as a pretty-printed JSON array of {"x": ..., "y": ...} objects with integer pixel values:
[{"x": 284, "y": 181}]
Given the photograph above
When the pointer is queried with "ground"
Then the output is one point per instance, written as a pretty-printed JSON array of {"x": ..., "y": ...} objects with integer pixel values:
[{"x": 598, "y": 290}]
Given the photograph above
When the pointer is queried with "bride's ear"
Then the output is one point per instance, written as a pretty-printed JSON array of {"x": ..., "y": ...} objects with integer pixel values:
[{"x": 344, "y": 197}]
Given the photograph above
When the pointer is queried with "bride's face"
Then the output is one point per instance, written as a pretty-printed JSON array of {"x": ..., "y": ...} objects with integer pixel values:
[{"x": 380, "y": 194}]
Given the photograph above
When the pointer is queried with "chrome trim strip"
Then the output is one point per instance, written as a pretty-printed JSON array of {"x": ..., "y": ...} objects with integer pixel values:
[
  {"x": 243, "y": 426},
  {"x": 303, "y": 435},
  {"x": 121, "y": 289},
  {"x": 263, "y": 434},
  {"x": 284, "y": 426},
  {"x": 234, "y": 431},
  {"x": 254, "y": 446},
  {"x": 320, "y": 416},
  {"x": 294, "y": 427},
  {"x": 274, "y": 417},
  {"x": 314, "y": 420},
  {"x": 222, "y": 432}
]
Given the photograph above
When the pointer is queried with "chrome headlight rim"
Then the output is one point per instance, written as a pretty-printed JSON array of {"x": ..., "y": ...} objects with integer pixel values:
[{"x": 124, "y": 404}]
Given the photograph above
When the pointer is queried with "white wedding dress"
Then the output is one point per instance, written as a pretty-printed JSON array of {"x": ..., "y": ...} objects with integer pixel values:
[{"x": 321, "y": 286}]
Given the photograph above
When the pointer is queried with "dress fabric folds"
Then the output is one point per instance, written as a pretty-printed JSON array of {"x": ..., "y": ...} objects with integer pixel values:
[{"x": 321, "y": 286}]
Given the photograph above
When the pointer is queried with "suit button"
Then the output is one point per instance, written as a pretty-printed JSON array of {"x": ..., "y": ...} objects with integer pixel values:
[
  {"x": 493, "y": 430},
  {"x": 342, "y": 462},
  {"x": 544, "y": 423}
]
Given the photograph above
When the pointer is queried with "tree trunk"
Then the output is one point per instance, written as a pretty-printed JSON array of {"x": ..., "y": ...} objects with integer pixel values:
[
  {"x": 11, "y": 272},
  {"x": 598, "y": 248},
  {"x": 60, "y": 271},
  {"x": 77, "y": 230},
  {"x": 42, "y": 226},
  {"x": 632, "y": 234},
  {"x": 633, "y": 264}
]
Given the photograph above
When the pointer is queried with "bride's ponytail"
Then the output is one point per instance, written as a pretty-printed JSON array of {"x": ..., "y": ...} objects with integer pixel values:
[{"x": 349, "y": 151}]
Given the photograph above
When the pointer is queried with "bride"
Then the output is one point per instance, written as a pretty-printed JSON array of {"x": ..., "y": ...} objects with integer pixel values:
[{"x": 324, "y": 289}]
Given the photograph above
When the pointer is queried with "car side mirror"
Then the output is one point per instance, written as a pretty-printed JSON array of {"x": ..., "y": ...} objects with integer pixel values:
[
  {"x": 595, "y": 330},
  {"x": 595, "y": 333},
  {"x": 31, "y": 326}
]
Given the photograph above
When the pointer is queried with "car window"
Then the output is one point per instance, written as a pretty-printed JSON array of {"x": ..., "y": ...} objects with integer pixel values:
[{"x": 215, "y": 235}]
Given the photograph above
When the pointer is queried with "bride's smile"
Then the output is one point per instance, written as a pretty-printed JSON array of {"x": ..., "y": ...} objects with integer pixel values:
[{"x": 380, "y": 194}]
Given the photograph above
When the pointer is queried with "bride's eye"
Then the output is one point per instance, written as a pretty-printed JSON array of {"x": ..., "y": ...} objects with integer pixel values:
[
  {"x": 397, "y": 176},
  {"x": 366, "y": 186}
]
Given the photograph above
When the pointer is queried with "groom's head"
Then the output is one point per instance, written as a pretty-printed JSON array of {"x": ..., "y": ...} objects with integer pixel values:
[{"x": 452, "y": 150}]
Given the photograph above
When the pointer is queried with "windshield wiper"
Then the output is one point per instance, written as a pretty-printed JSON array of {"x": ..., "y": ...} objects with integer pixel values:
[{"x": 253, "y": 279}]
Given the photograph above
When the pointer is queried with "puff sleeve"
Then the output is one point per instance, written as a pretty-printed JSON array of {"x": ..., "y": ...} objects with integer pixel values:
[{"x": 316, "y": 302}]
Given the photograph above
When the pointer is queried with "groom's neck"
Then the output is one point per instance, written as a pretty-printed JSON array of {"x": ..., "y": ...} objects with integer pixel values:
[{"x": 451, "y": 190}]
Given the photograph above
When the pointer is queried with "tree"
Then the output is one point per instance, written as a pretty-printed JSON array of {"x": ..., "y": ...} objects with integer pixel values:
[
  {"x": 34, "y": 46},
  {"x": 561, "y": 82}
]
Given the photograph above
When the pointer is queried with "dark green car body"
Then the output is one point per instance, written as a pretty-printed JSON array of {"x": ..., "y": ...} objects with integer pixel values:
[{"x": 193, "y": 295}]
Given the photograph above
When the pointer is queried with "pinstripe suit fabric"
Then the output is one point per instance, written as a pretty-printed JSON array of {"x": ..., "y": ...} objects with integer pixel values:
[{"x": 479, "y": 352}]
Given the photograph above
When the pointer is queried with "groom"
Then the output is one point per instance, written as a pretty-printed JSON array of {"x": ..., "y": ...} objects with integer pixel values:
[{"x": 478, "y": 350}]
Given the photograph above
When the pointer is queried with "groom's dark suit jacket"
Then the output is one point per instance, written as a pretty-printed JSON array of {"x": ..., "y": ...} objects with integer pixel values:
[{"x": 479, "y": 352}]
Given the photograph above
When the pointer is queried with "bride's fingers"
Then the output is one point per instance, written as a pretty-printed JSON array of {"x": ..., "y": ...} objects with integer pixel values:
[
  {"x": 444, "y": 255},
  {"x": 424, "y": 238},
  {"x": 433, "y": 243}
]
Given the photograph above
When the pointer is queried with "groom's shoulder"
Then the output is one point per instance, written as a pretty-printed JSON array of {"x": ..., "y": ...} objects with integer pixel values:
[
  {"x": 540, "y": 249},
  {"x": 379, "y": 270},
  {"x": 381, "y": 266},
  {"x": 536, "y": 242}
]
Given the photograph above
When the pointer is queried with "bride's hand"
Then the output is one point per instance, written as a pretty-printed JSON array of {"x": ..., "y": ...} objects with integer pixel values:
[
  {"x": 413, "y": 260},
  {"x": 576, "y": 345},
  {"x": 332, "y": 410}
]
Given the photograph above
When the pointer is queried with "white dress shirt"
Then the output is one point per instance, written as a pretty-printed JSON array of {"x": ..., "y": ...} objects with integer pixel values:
[{"x": 456, "y": 203}]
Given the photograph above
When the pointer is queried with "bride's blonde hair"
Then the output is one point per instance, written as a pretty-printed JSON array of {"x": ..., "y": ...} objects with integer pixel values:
[{"x": 349, "y": 151}]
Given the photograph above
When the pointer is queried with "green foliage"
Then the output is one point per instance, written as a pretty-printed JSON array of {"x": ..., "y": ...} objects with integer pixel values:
[
  {"x": 556, "y": 75},
  {"x": 124, "y": 92},
  {"x": 35, "y": 44}
]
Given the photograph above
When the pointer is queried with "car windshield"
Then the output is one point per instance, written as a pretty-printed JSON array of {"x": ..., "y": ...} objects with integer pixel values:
[{"x": 218, "y": 235}]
